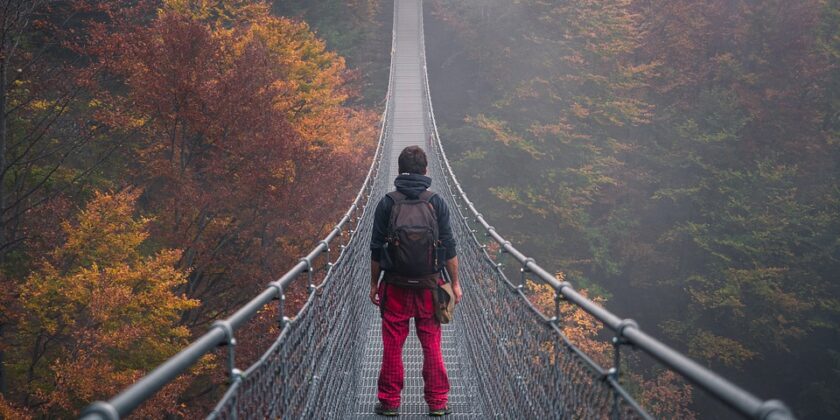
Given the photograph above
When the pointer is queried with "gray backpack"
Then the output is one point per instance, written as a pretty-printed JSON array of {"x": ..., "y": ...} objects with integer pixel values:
[{"x": 412, "y": 244}]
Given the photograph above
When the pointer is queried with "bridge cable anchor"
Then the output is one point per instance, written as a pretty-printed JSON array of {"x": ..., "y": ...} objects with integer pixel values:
[
  {"x": 477, "y": 217},
  {"x": 505, "y": 246},
  {"x": 774, "y": 409},
  {"x": 103, "y": 409}
]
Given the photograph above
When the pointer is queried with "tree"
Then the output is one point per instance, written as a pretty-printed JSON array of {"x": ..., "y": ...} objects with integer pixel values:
[
  {"x": 662, "y": 393},
  {"x": 99, "y": 311},
  {"x": 236, "y": 111},
  {"x": 683, "y": 156},
  {"x": 356, "y": 29},
  {"x": 48, "y": 149}
]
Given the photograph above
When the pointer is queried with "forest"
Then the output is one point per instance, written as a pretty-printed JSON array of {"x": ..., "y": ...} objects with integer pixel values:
[
  {"x": 678, "y": 159},
  {"x": 159, "y": 163},
  {"x": 160, "y": 160}
]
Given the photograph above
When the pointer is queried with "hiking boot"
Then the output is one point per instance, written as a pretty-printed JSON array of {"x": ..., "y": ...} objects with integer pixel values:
[
  {"x": 439, "y": 412},
  {"x": 382, "y": 410}
]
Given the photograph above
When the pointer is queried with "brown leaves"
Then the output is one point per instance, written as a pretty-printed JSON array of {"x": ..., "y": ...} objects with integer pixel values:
[
  {"x": 227, "y": 124},
  {"x": 667, "y": 396},
  {"x": 242, "y": 124},
  {"x": 579, "y": 327},
  {"x": 12, "y": 412}
]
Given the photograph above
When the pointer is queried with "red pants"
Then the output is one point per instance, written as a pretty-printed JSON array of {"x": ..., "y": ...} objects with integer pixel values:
[{"x": 399, "y": 305}]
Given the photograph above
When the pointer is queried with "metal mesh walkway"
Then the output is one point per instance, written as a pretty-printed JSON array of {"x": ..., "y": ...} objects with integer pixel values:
[{"x": 409, "y": 128}]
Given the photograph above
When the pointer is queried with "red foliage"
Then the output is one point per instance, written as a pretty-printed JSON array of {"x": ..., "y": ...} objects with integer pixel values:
[{"x": 230, "y": 176}]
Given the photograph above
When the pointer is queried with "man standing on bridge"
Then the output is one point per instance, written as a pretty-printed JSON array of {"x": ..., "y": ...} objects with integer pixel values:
[{"x": 411, "y": 236}]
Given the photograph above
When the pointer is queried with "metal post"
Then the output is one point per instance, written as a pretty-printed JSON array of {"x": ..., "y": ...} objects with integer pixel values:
[
  {"x": 556, "y": 320},
  {"x": 230, "y": 342},
  {"x": 282, "y": 311},
  {"x": 522, "y": 271},
  {"x": 234, "y": 374},
  {"x": 615, "y": 371},
  {"x": 326, "y": 253},
  {"x": 309, "y": 273},
  {"x": 281, "y": 305},
  {"x": 499, "y": 254}
]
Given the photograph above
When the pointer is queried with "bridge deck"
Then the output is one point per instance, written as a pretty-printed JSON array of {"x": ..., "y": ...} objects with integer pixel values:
[{"x": 409, "y": 128}]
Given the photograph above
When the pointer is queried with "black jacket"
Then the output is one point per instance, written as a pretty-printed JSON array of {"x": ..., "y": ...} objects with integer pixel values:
[{"x": 412, "y": 185}]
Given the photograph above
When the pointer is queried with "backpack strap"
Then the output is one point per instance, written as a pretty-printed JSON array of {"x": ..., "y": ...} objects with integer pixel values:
[
  {"x": 396, "y": 196},
  {"x": 426, "y": 195}
]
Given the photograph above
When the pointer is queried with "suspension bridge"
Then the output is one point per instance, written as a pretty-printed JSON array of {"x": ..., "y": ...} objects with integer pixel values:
[{"x": 505, "y": 358}]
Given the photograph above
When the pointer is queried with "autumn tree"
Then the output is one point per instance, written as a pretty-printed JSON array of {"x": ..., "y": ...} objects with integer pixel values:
[
  {"x": 224, "y": 120},
  {"x": 49, "y": 150},
  {"x": 356, "y": 29},
  {"x": 100, "y": 310},
  {"x": 580, "y": 328},
  {"x": 243, "y": 122}
]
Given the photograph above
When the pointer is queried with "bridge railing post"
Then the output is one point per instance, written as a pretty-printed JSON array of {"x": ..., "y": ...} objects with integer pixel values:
[
  {"x": 341, "y": 243},
  {"x": 326, "y": 252},
  {"x": 282, "y": 320},
  {"x": 614, "y": 373},
  {"x": 234, "y": 374},
  {"x": 557, "y": 320},
  {"x": 523, "y": 271},
  {"x": 308, "y": 271}
]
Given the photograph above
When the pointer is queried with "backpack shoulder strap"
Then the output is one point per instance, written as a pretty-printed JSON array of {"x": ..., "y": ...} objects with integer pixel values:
[
  {"x": 396, "y": 196},
  {"x": 426, "y": 195}
]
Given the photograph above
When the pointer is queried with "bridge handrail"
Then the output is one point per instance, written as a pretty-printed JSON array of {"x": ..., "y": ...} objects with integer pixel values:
[
  {"x": 627, "y": 330},
  {"x": 221, "y": 333}
]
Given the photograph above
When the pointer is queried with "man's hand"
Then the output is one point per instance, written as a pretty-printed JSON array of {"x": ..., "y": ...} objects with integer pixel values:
[
  {"x": 375, "y": 271},
  {"x": 452, "y": 269},
  {"x": 456, "y": 289}
]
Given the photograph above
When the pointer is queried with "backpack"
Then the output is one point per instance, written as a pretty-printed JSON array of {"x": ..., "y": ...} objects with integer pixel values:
[{"x": 412, "y": 245}]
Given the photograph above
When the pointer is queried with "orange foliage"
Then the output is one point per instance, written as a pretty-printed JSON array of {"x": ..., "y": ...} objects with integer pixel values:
[
  {"x": 667, "y": 396},
  {"x": 100, "y": 311},
  {"x": 578, "y": 326},
  {"x": 234, "y": 126},
  {"x": 243, "y": 125},
  {"x": 11, "y": 412}
]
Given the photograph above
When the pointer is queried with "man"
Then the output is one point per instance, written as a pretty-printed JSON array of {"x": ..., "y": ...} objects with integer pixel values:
[{"x": 398, "y": 302}]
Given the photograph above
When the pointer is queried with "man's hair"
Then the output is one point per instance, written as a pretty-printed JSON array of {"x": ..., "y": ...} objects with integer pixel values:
[{"x": 412, "y": 160}]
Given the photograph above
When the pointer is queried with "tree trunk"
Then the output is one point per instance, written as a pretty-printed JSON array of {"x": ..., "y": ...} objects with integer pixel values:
[{"x": 3, "y": 133}]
